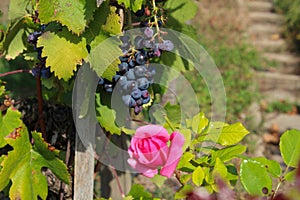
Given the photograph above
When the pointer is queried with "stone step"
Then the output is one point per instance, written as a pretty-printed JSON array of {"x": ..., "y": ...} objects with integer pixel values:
[
  {"x": 263, "y": 6},
  {"x": 268, "y": 45},
  {"x": 288, "y": 63},
  {"x": 281, "y": 95},
  {"x": 283, "y": 121},
  {"x": 270, "y": 81},
  {"x": 264, "y": 30},
  {"x": 266, "y": 17}
]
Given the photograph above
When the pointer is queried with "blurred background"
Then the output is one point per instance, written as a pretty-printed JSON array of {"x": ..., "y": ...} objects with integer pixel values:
[{"x": 256, "y": 46}]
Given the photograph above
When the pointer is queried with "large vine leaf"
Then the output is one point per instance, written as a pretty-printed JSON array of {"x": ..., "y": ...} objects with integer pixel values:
[
  {"x": 255, "y": 178},
  {"x": 74, "y": 14},
  {"x": 113, "y": 22},
  {"x": 64, "y": 51},
  {"x": 19, "y": 9},
  {"x": 23, "y": 166},
  {"x": 13, "y": 43},
  {"x": 290, "y": 147},
  {"x": 8, "y": 123},
  {"x": 133, "y": 5}
]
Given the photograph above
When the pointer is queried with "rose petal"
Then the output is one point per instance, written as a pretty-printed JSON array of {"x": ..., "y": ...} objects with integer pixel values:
[
  {"x": 150, "y": 131},
  {"x": 175, "y": 152},
  {"x": 145, "y": 170}
]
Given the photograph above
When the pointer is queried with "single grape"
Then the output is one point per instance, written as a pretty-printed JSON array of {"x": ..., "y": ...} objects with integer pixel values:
[
  {"x": 123, "y": 67},
  {"x": 116, "y": 78},
  {"x": 143, "y": 83},
  {"x": 138, "y": 109},
  {"x": 123, "y": 58},
  {"x": 130, "y": 85},
  {"x": 168, "y": 44},
  {"x": 145, "y": 94},
  {"x": 138, "y": 42},
  {"x": 45, "y": 72},
  {"x": 146, "y": 100},
  {"x": 125, "y": 39},
  {"x": 101, "y": 81},
  {"x": 130, "y": 74},
  {"x": 139, "y": 102},
  {"x": 150, "y": 54},
  {"x": 36, "y": 71},
  {"x": 31, "y": 39},
  {"x": 136, "y": 93},
  {"x": 123, "y": 81},
  {"x": 126, "y": 99},
  {"x": 148, "y": 32},
  {"x": 131, "y": 63},
  {"x": 108, "y": 87},
  {"x": 140, "y": 70},
  {"x": 148, "y": 44},
  {"x": 141, "y": 57}
]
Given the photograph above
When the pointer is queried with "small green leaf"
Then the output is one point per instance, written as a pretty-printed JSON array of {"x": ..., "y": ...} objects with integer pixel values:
[
  {"x": 185, "y": 159},
  {"x": 291, "y": 175},
  {"x": 228, "y": 153},
  {"x": 113, "y": 22},
  {"x": 8, "y": 123},
  {"x": 198, "y": 176},
  {"x": 290, "y": 147},
  {"x": 133, "y": 5},
  {"x": 199, "y": 122},
  {"x": 63, "y": 51},
  {"x": 106, "y": 117},
  {"x": 184, "y": 178},
  {"x": 158, "y": 180},
  {"x": 272, "y": 166},
  {"x": 255, "y": 178},
  {"x": 226, "y": 135},
  {"x": 181, "y": 11},
  {"x": 73, "y": 14},
  {"x": 219, "y": 170},
  {"x": 138, "y": 192}
]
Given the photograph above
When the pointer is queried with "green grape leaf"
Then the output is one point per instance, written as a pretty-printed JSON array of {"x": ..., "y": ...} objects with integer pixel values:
[
  {"x": 19, "y": 8},
  {"x": 139, "y": 192},
  {"x": 113, "y": 22},
  {"x": 290, "y": 176},
  {"x": 28, "y": 182},
  {"x": 272, "y": 166},
  {"x": 73, "y": 14},
  {"x": 255, "y": 178},
  {"x": 64, "y": 51},
  {"x": 111, "y": 70},
  {"x": 133, "y": 5},
  {"x": 290, "y": 147},
  {"x": 198, "y": 176},
  {"x": 8, "y": 123},
  {"x": 106, "y": 117},
  {"x": 174, "y": 60},
  {"x": 227, "y": 153},
  {"x": 13, "y": 44}
]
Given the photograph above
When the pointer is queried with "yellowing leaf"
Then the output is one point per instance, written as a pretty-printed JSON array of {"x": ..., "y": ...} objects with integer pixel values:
[
  {"x": 63, "y": 51},
  {"x": 74, "y": 14},
  {"x": 23, "y": 167},
  {"x": 198, "y": 176},
  {"x": 113, "y": 22}
]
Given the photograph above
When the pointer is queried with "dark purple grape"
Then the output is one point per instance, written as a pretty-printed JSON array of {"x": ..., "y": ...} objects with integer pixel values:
[
  {"x": 136, "y": 93},
  {"x": 108, "y": 87},
  {"x": 128, "y": 101},
  {"x": 138, "y": 42},
  {"x": 116, "y": 78},
  {"x": 148, "y": 44},
  {"x": 43, "y": 27},
  {"x": 131, "y": 63},
  {"x": 125, "y": 39},
  {"x": 123, "y": 58},
  {"x": 123, "y": 67},
  {"x": 145, "y": 94},
  {"x": 45, "y": 72},
  {"x": 143, "y": 83},
  {"x": 140, "y": 70},
  {"x": 148, "y": 32},
  {"x": 123, "y": 81},
  {"x": 144, "y": 24},
  {"x": 31, "y": 39},
  {"x": 141, "y": 57},
  {"x": 36, "y": 71},
  {"x": 146, "y": 100},
  {"x": 130, "y": 74},
  {"x": 138, "y": 109}
]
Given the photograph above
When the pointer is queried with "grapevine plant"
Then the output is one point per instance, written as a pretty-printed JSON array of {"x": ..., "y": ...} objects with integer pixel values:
[{"x": 60, "y": 37}]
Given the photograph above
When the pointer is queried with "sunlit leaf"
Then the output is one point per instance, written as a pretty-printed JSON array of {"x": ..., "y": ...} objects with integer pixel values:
[
  {"x": 198, "y": 176},
  {"x": 290, "y": 147}
]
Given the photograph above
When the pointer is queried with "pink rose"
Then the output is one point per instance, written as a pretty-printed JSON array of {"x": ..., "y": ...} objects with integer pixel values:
[{"x": 149, "y": 150}]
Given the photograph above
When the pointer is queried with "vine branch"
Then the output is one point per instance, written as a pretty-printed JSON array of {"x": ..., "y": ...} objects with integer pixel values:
[
  {"x": 40, "y": 107},
  {"x": 15, "y": 72}
]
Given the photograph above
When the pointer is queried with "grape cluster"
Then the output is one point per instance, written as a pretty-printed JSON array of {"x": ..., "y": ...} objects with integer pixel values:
[
  {"x": 135, "y": 74},
  {"x": 40, "y": 68}
]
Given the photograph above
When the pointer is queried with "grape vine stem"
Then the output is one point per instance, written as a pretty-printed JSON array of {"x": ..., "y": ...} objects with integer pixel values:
[{"x": 15, "y": 72}]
